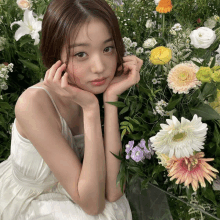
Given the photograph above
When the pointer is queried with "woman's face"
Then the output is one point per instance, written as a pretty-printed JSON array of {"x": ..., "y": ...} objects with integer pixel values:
[{"x": 95, "y": 61}]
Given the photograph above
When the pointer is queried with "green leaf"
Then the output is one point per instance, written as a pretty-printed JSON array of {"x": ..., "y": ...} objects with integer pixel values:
[
  {"x": 173, "y": 102},
  {"x": 124, "y": 123},
  {"x": 123, "y": 133},
  {"x": 131, "y": 126},
  {"x": 27, "y": 56},
  {"x": 139, "y": 105},
  {"x": 31, "y": 66},
  {"x": 218, "y": 211},
  {"x": 128, "y": 129},
  {"x": 25, "y": 40},
  {"x": 118, "y": 104},
  {"x": 208, "y": 194},
  {"x": 213, "y": 62},
  {"x": 217, "y": 135},
  {"x": 189, "y": 192},
  {"x": 125, "y": 109},
  {"x": 158, "y": 169},
  {"x": 135, "y": 121},
  {"x": 133, "y": 105},
  {"x": 118, "y": 157},
  {"x": 218, "y": 85},
  {"x": 206, "y": 112},
  {"x": 209, "y": 89},
  {"x": 20, "y": 76},
  {"x": 198, "y": 64}
]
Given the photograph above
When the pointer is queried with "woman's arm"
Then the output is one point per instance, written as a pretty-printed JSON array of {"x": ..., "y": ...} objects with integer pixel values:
[
  {"x": 91, "y": 183},
  {"x": 112, "y": 142}
]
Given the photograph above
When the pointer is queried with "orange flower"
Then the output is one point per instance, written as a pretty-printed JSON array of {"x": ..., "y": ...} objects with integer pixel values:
[
  {"x": 191, "y": 170},
  {"x": 164, "y": 6}
]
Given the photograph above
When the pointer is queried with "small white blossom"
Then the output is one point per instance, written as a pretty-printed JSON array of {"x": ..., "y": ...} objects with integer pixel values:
[
  {"x": 177, "y": 27},
  {"x": 210, "y": 23},
  {"x": 154, "y": 81},
  {"x": 150, "y": 24},
  {"x": 173, "y": 32},
  {"x": 134, "y": 44},
  {"x": 139, "y": 50},
  {"x": 149, "y": 43}
]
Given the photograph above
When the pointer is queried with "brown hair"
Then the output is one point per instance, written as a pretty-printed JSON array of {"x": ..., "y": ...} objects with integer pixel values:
[{"x": 65, "y": 17}]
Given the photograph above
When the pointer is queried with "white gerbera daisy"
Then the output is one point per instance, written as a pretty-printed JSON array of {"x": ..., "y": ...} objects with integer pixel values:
[{"x": 180, "y": 139}]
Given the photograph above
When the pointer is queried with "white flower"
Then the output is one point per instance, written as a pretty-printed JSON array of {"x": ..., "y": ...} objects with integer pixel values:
[
  {"x": 30, "y": 26},
  {"x": 177, "y": 27},
  {"x": 203, "y": 37},
  {"x": 180, "y": 139},
  {"x": 139, "y": 50},
  {"x": 156, "y": 2},
  {"x": 154, "y": 81},
  {"x": 133, "y": 44},
  {"x": 127, "y": 42},
  {"x": 172, "y": 31},
  {"x": 210, "y": 23},
  {"x": 149, "y": 24},
  {"x": 149, "y": 43},
  {"x": 24, "y": 4}
]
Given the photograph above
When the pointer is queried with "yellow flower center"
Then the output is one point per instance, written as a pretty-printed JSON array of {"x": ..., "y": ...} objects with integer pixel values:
[
  {"x": 179, "y": 137},
  {"x": 183, "y": 76}
]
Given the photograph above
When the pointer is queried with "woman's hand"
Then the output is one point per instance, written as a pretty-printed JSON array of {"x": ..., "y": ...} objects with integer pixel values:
[
  {"x": 119, "y": 84},
  {"x": 59, "y": 84}
]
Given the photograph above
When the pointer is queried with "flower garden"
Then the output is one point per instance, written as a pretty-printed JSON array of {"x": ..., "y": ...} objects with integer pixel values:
[{"x": 169, "y": 121}]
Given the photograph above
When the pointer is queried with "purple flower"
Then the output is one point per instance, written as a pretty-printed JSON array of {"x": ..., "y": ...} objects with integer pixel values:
[
  {"x": 137, "y": 154},
  {"x": 129, "y": 146},
  {"x": 127, "y": 156},
  {"x": 147, "y": 153}
]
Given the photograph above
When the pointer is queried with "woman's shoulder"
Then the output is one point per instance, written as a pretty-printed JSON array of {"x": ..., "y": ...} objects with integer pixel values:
[
  {"x": 37, "y": 96},
  {"x": 29, "y": 92}
]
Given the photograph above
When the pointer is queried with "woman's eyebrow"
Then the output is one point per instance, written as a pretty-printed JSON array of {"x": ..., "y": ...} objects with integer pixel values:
[{"x": 87, "y": 44}]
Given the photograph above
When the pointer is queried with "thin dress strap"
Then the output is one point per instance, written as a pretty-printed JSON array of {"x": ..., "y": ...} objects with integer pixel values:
[{"x": 50, "y": 98}]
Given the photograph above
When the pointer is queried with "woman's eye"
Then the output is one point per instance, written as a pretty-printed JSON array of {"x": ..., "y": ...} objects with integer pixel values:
[{"x": 77, "y": 55}]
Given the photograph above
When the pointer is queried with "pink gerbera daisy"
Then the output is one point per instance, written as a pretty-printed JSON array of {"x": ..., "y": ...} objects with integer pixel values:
[{"x": 191, "y": 170}]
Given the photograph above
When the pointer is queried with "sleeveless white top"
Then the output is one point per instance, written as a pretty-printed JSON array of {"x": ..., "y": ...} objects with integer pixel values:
[{"x": 30, "y": 191}]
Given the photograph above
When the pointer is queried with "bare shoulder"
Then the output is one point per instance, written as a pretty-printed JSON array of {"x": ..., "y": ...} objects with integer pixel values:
[{"x": 36, "y": 97}]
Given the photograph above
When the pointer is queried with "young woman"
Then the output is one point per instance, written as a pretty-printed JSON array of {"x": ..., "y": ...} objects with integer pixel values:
[{"x": 57, "y": 121}]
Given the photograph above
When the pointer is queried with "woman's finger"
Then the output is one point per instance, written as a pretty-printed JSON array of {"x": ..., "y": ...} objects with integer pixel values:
[
  {"x": 59, "y": 71},
  {"x": 53, "y": 70},
  {"x": 46, "y": 75}
]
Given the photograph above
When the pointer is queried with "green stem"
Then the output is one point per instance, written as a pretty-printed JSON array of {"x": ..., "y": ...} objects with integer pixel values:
[{"x": 163, "y": 23}]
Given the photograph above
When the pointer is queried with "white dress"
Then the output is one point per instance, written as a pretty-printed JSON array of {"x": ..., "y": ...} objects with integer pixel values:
[{"x": 30, "y": 191}]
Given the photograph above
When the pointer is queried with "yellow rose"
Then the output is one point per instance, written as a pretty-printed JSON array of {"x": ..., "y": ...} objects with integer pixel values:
[{"x": 160, "y": 55}]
